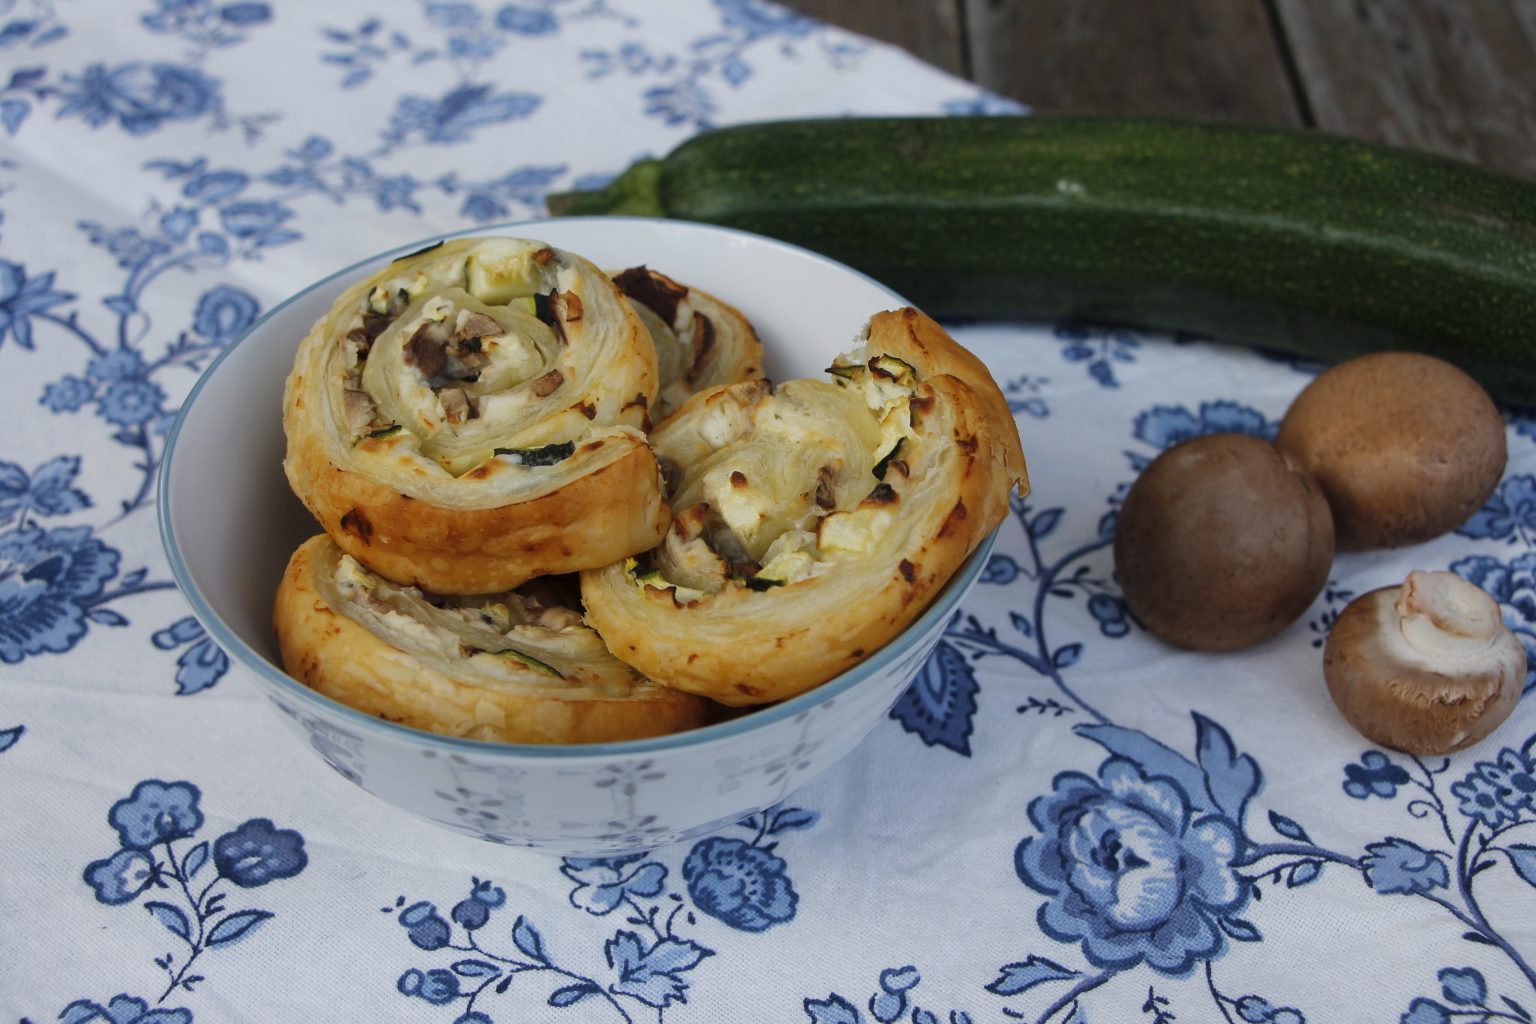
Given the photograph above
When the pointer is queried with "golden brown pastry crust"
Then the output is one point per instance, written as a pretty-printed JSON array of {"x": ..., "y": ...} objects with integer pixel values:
[
  {"x": 701, "y": 341},
  {"x": 342, "y": 659},
  {"x": 431, "y": 504},
  {"x": 946, "y": 490}
]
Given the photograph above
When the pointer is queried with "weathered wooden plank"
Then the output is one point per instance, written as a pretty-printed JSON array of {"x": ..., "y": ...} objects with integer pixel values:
[
  {"x": 1456, "y": 77},
  {"x": 1177, "y": 58},
  {"x": 931, "y": 29}
]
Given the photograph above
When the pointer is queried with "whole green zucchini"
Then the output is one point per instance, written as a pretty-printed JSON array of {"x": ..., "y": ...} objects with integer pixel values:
[{"x": 1302, "y": 242}]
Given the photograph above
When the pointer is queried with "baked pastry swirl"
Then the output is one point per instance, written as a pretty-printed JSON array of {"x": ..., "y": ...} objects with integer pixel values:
[
  {"x": 516, "y": 667},
  {"x": 466, "y": 419},
  {"x": 700, "y": 340},
  {"x": 815, "y": 521}
]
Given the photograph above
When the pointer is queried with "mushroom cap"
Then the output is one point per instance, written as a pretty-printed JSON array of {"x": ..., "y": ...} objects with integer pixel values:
[
  {"x": 1405, "y": 447},
  {"x": 1221, "y": 544},
  {"x": 1427, "y": 667}
]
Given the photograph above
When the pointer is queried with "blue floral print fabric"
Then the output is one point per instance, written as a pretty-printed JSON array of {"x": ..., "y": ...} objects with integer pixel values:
[{"x": 1060, "y": 821}]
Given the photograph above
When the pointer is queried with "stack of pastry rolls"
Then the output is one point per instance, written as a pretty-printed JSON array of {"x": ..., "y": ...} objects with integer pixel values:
[{"x": 561, "y": 505}]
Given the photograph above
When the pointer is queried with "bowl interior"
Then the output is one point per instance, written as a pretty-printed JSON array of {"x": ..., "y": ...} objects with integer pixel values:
[{"x": 228, "y": 518}]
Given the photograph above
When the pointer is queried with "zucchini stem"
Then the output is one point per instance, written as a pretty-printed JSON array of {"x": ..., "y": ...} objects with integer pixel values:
[{"x": 635, "y": 193}]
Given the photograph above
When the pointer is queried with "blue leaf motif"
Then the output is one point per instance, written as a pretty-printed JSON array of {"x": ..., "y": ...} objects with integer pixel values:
[
  {"x": 832, "y": 1010},
  {"x": 235, "y": 927},
  {"x": 1523, "y": 859},
  {"x": 8, "y": 737},
  {"x": 940, "y": 704},
  {"x": 1067, "y": 655},
  {"x": 106, "y": 617},
  {"x": 82, "y": 1010},
  {"x": 1303, "y": 873},
  {"x": 1035, "y": 970},
  {"x": 650, "y": 975},
  {"x": 172, "y": 917},
  {"x": 1242, "y": 931},
  {"x": 1464, "y": 986},
  {"x": 572, "y": 994},
  {"x": 475, "y": 969},
  {"x": 194, "y": 861},
  {"x": 1230, "y": 778},
  {"x": 1154, "y": 758},
  {"x": 792, "y": 819},
  {"x": 1043, "y": 524},
  {"x": 1288, "y": 828},
  {"x": 1022, "y": 624},
  {"x": 527, "y": 938},
  {"x": 12, "y": 113}
]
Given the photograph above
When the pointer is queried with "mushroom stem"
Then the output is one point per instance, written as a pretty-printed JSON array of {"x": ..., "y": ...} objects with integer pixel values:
[{"x": 1445, "y": 618}]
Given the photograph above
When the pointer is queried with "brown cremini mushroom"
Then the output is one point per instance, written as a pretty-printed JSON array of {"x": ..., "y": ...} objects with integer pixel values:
[
  {"x": 1221, "y": 543},
  {"x": 1405, "y": 447},
  {"x": 1427, "y": 668}
]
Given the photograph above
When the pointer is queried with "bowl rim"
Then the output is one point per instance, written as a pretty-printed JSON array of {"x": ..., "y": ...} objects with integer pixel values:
[{"x": 942, "y": 606}]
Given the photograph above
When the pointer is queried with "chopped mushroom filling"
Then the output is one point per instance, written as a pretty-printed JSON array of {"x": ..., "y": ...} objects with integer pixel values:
[{"x": 782, "y": 489}]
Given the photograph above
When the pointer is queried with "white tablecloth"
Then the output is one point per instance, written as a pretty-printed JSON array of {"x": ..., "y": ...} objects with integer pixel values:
[{"x": 1063, "y": 820}]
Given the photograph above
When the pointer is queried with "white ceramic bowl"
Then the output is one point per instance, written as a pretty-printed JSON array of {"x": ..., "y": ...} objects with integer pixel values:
[{"x": 229, "y": 523}]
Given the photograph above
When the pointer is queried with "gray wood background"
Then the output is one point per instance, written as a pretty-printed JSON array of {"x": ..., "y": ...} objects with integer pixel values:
[{"x": 1456, "y": 77}]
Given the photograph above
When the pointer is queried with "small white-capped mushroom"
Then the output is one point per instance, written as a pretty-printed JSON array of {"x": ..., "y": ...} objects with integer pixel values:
[{"x": 1427, "y": 667}]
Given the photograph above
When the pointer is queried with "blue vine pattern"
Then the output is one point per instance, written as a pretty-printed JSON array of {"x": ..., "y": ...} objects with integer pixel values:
[
  {"x": 150, "y": 823},
  {"x": 1157, "y": 862},
  {"x": 741, "y": 883}
]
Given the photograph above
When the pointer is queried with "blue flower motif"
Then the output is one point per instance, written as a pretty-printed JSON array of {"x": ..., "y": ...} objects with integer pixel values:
[
  {"x": 480, "y": 207},
  {"x": 129, "y": 403},
  {"x": 47, "y": 492},
  {"x": 602, "y": 883},
  {"x": 139, "y": 96},
  {"x": 425, "y": 927},
  {"x": 47, "y": 581},
  {"x": 1375, "y": 775},
  {"x": 745, "y": 886},
  {"x": 1483, "y": 798},
  {"x": 115, "y": 365},
  {"x": 1514, "y": 775},
  {"x": 67, "y": 394},
  {"x": 451, "y": 15},
  {"x": 474, "y": 911},
  {"x": 1164, "y": 426},
  {"x": 398, "y": 190},
  {"x": 527, "y": 21},
  {"x": 156, "y": 812},
  {"x": 121, "y": 877},
  {"x": 22, "y": 297},
  {"x": 1396, "y": 865},
  {"x": 438, "y": 986},
  {"x": 453, "y": 117},
  {"x": 1110, "y": 613},
  {"x": 1510, "y": 512},
  {"x": 1256, "y": 1010},
  {"x": 1131, "y": 871},
  {"x": 178, "y": 223},
  {"x": 761, "y": 19},
  {"x": 1513, "y": 585},
  {"x": 123, "y": 1009},
  {"x": 258, "y": 852},
  {"x": 245, "y": 14},
  {"x": 224, "y": 312},
  {"x": 253, "y": 218},
  {"x": 683, "y": 103}
]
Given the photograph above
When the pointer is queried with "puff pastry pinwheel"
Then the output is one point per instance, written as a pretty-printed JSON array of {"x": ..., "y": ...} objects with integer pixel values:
[
  {"x": 465, "y": 419},
  {"x": 517, "y": 667},
  {"x": 812, "y": 523},
  {"x": 700, "y": 341}
]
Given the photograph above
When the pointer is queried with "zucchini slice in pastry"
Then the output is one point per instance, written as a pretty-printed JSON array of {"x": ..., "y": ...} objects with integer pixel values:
[
  {"x": 512, "y": 667},
  {"x": 814, "y": 522},
  {"x": 466, "y": 419},
  {"x": 700, "y": 341}
]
